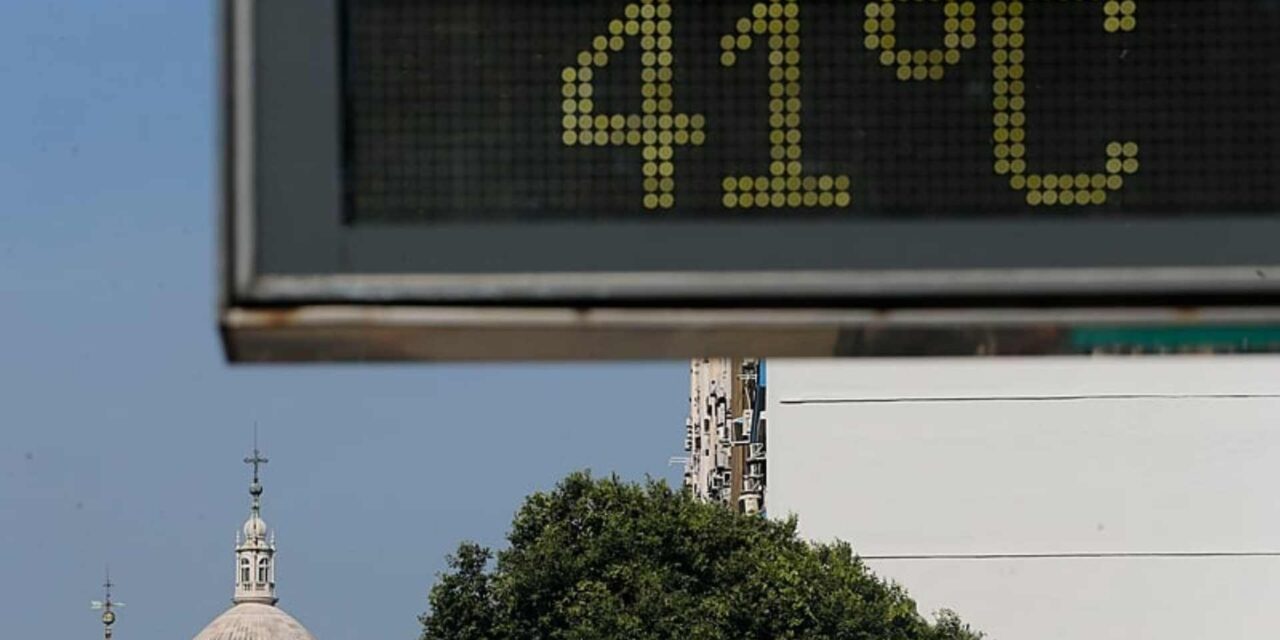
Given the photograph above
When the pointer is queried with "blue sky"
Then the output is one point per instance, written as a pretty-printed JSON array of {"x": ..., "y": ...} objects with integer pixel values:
[{"x": 121, "y": 428}]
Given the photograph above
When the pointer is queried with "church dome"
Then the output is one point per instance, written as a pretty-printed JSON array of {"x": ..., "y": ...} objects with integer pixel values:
[{"x": 254, "y": 621}]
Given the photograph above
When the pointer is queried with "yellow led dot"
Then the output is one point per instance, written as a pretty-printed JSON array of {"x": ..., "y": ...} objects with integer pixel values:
[
  {"x": 1115, "y": 182},
  {"x": 1018, "y": 182},
  {"x": 778, "y": 200},
  {"x": 826, "y": 199},
  {"x": 1131, "y": 165},
  {"x": 728, "y": 58},
  {"x": 697, "y": 138},
  {"x": 730, "y": 200},
  {"x": 1035, "y": 198},
  {"x": 843, "y": 199},
  {"x": 570, "y": 138},
  {"x": 666, "y": 201},
  {"x": 1067, "y": 198},
  {"x": 762, "y": 199},
  {"x": 795, "y": 199}
]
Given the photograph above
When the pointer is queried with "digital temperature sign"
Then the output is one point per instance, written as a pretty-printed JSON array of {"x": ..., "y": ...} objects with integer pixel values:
[
  {"x": 551, "y": 179},
  {"x": 507, "y": 109}
]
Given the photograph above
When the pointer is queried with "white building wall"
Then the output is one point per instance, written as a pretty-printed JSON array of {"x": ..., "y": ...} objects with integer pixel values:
[{"x": 955, "y": 459}]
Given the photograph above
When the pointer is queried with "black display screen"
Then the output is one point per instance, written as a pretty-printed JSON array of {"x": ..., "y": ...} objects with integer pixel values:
[{"x": 460, "y": 111}]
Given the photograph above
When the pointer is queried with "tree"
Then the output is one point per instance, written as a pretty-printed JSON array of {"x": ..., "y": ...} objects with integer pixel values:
[{"x": 602, "y": 559}]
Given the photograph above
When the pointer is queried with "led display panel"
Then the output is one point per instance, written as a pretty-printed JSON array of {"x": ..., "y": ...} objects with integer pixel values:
[{"x": 476, "y": 111}]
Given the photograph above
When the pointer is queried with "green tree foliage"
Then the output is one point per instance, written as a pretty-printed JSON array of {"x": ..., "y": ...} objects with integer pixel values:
[{"x": 609, "y": 560}]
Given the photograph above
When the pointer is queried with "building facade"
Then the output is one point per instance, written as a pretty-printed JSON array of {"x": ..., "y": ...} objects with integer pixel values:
[
  {"x": 1056, "y": 499},
  {"x": 726, "y": 433}
]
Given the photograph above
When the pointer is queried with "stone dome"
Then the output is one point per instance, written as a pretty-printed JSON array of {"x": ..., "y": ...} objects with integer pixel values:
[{"x": 254, "y": 621}]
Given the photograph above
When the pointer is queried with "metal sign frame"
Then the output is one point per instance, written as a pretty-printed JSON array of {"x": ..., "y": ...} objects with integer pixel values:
[{"x": 300, "y": 285}]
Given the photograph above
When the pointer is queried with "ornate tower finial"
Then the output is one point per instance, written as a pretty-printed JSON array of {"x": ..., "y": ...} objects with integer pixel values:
[
  {"x": 107, "y": 607},
  {"x": 255, "y": 554},
  {"x": 255, "y": 488}
]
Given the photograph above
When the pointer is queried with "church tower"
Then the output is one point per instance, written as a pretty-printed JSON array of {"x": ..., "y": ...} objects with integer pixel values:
[
  {"x": 254, "y": 614},
  {"x": 255, "y": 551}
]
